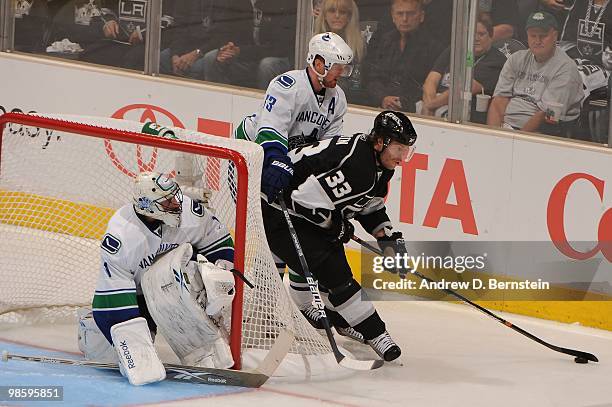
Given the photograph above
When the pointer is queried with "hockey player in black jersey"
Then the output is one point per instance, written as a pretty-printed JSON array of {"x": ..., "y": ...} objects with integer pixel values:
[{"x": 334, "y": 181}]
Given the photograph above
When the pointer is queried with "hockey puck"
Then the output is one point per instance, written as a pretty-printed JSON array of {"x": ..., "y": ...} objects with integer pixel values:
[{"x": 581, "y": 360}]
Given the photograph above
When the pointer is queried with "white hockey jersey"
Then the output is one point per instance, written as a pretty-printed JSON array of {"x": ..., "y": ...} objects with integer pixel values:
[
  {"x": 129, "y": 247},
  {"x": 293, "y": 115}
]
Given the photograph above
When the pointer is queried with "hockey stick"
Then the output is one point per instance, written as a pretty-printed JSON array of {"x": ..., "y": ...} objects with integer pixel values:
[
  {"x": 577, "y": 353},
  {"x": 193, "y": 374},
  {"x": 340, "y": 358}
]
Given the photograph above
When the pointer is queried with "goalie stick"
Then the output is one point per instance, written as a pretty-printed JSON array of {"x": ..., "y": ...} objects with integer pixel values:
[
  {"x": 193, "y": 374},
  {"x": 342, "y": 359},
  {"x": 572, "y": 352}
]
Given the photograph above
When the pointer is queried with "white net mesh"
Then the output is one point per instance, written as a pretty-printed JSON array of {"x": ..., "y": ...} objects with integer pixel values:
[{"x": 57, "y": 192}]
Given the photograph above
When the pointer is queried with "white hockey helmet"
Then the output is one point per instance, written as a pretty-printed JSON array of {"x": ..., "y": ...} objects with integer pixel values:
[
  {"x": 332, "y": 48},
  {"x": 159, "y": 197}
]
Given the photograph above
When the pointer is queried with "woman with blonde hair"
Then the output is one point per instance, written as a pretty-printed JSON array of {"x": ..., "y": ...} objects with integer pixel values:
[{"x": 342, "y": 17}]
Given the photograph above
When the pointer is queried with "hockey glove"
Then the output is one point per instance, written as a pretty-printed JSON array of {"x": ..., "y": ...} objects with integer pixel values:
[
  {"x": 342, "y": 229},
  {"x": 275, "y": 176},
  {"x": 393, "y": 245}
]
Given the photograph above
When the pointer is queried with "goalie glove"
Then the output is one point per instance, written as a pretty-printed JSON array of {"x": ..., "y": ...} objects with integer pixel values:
[
  {"x": 393, "y": 244},
  {"x": 200, "y": 194},
  {"x": 218, "y": 290}
]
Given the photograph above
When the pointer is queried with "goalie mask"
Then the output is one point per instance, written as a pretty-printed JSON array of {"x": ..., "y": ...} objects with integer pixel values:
[
  {"x": 334, "y": 51},
  {"x": 158, "y": 197}
]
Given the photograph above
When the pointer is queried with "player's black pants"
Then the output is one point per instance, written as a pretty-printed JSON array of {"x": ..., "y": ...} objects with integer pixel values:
[{"x": 327, "y": 262}]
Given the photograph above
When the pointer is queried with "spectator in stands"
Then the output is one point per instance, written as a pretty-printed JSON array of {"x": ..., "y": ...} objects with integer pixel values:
[
  {"x": 375, "y": 14},
  {"x": 589, "y": 26},
  {"x": 557, "y": 8},
  {"x": 342, "y": 17},
  {"x": 317, "y": 6},
  {"x": 124, "y": 31},
  {"x": 533, "y": 80},
  {"x": 30, "y": 22},
  {"x": 525, "y": 8},
  {"x": 108, "y": 32},
  {"x": 487, "y": 66},
  {"x": 233, "y": 63},
  {"x": 504, "y": 15},
  {"x": 274, "y": 37},
  {"x": 200, "y": 27},
  {"x": 438, "y": 20},
  {"x": 399, "y": 60},
  {"x": 78, "y": 21},
  {"x": 375, "y": 10}
]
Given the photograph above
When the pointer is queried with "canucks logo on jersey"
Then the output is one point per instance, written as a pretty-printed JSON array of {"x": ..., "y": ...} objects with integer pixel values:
[{"x": 111, "y": 244}]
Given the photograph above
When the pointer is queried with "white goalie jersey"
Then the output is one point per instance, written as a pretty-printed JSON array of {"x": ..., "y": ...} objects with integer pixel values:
[
  {"x": 130, "y": 247},
  {"x": 293, "y": 115}
]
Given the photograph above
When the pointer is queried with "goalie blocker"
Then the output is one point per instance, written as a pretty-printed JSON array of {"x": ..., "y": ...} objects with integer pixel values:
[{"x": 189, "y": 301}]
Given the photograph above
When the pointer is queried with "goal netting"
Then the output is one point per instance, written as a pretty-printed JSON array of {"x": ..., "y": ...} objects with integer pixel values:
[{"x": 62, "y": 178}]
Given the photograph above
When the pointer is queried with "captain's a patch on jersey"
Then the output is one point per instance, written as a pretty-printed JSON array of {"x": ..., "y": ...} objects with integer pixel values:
[
  {"x": 286, "y": 81},
  {"x": 111, "y": 244}
]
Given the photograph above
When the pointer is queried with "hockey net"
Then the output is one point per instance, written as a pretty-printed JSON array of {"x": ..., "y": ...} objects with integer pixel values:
[{"x": 62, "y": 178}]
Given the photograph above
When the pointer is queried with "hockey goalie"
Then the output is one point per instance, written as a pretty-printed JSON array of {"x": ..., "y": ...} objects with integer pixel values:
[{"x": 166, "y": 265}]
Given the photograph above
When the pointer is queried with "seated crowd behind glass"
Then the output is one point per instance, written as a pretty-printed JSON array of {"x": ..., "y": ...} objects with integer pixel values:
[{"x": 401, "y": 46}]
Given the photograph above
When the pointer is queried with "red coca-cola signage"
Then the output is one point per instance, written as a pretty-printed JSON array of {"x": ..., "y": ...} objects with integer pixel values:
[{"x": 555, "y": 215}]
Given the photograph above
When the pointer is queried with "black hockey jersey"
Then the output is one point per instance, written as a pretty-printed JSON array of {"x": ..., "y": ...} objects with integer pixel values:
[{"x": 339, "y": 176}]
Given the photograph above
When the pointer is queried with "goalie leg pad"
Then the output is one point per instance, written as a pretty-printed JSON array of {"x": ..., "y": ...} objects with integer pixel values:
[
  {"x": 92, "y": 341},
  {"x": 138, "y": 360},
  {"x": 176, "y": 298}
]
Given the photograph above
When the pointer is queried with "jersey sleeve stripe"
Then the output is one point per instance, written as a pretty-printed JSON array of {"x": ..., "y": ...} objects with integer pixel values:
[
  {"x": 114, "y": 300},
  {"x": 266, "y": 135},
  {"x": 220, "y": 254},
  {"x": 209, "y": 252},
  {"x": 117, "y": 291},
  {"x": 115, "y": 309},
  {"x": 225, "y": 240},
  {"x": 241, "y": 133}
]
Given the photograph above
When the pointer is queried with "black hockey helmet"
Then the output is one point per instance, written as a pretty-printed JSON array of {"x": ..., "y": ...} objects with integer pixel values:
[{"x": 394, "y": 126}]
